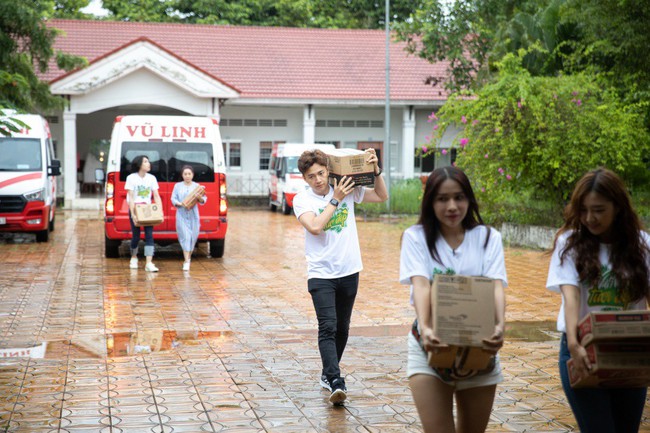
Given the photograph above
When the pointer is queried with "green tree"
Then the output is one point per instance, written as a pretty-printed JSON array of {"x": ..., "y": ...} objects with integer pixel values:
[
  {"x": 462, "y": 33},
  {"x": 523, "y": 133},
  {"x": 614, "y": 40},
  {"x": 142, "y": 10},
  {"x": 26, "y": 44},
  {"x": 70, "y": 9},
  {"x": 367, "y": 14}
]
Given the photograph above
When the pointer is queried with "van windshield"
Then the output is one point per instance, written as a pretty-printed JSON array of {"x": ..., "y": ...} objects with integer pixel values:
[
  {"x": 167, "y": 159},
  {"x": 20, "y": 154},
  {"x": 292, "y": 165}
]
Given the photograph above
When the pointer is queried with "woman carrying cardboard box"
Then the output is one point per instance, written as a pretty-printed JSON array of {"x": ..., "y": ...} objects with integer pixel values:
[
  {"x": 185, "y": 196},
  {"x": 140, "y": 187},
  {"x": 600, "y": 261},
  {"x": 450, "y": 238}
]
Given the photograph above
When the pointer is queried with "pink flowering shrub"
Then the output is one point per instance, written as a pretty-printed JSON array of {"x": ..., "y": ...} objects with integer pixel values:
[{"x": 538, "y": 135}]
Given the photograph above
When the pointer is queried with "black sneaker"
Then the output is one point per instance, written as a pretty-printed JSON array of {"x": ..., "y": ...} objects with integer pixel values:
[
  {"x": 339, "y": 391},
  {"x": 325, "y": 383}
]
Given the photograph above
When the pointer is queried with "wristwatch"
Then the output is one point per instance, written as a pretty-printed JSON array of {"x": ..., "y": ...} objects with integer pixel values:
[
  {"x": 379, "y": 172},
  {"x": 334, "y": 202}
]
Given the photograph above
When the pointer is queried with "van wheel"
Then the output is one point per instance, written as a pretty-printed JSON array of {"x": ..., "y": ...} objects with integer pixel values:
[
  {"x": 272, "y": 206},
  {"x": 112, "y": 248},
  {"x": 50, "y": 226},
  {"x": 217, "y": 247},
  {"x": 43, "y": 235},
  {"x": 286, "y": 209}
]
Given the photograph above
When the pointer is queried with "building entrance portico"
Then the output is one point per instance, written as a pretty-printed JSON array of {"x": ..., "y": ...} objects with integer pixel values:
[{"x": 140, "y": 77}]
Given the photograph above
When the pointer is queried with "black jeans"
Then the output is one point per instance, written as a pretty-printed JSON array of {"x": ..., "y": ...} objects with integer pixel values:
[
  {"x": 611, "y": 410},
  {"x": 333, "y": 301}
]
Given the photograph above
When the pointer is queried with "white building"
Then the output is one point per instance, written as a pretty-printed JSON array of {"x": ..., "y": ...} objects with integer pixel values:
[{"x": 264, "y": 85}]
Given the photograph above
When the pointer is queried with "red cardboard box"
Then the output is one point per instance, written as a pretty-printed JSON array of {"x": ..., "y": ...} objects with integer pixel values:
[
  {"x": 463, "y": 315},
  {"x": 614, "y": 325},
  {"x": 615, "y": 365}
]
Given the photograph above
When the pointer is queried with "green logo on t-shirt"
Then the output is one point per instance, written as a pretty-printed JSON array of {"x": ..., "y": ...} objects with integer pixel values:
[
  {"x": 142, "y": 191},
  {"x": 605, "y": 294},
  {"x": 338, "y": 220},
  {"x": 448, "y": 271}
]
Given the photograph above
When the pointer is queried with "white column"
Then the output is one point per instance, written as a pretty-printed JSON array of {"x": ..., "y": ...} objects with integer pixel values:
[
  {"x": 214, "y": 108},
  {"x": 309, "y": 125},
  {"x": 408, "y": 141},
  {"x": 70, "y": 158}
]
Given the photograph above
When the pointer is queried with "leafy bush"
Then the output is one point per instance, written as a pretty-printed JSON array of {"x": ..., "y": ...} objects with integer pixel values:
[{"x": 536, "y": 136}]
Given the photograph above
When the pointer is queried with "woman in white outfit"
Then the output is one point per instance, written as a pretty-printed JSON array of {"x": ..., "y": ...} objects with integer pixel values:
[{"x": 187, "y": 218}]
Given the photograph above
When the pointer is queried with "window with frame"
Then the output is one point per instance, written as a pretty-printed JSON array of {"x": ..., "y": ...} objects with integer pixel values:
[
  {"x": 232, "y": 153},
  {"x": 265, "y": 154}
]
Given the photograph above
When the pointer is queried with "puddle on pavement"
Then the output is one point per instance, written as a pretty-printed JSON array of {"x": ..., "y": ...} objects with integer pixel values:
[
  {"x": 114, "y": 345},
  {"x": 532, "y": 332},
  {"x": 135, "y": 343},
  {"x": 150, "y": 341}
]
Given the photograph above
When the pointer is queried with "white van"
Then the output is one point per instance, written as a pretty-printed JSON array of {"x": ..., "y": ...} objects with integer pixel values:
[
  {"x": 169, "y": 142},
  {"x": 27, "y": 177},
  {"x": 285, "y": 179}
]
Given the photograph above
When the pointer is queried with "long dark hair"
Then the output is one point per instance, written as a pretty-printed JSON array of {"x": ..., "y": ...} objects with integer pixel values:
[
  {"x": 137, "y": 163},
  {"x": 428, "y": 220},
  {"x": 628, "y": 252}
]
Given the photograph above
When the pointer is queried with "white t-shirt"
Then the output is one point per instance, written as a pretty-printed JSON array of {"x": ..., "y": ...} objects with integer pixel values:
[
  {"x": 599, "y": 298},
  {"x": 335, "y": 252},
  {"x": 471, "y": 258},
  {"x": 142, "y": 187}
]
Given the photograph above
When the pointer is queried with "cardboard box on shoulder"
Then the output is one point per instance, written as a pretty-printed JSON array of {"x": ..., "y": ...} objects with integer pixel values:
[
  {"x": 148, "y": 214},
  {"x": 194, "y": 196},
  {"x": 614, "y": 325},
  {"x": 350, "y": 163},
  {"x": 463, "y": 315},
  {"x": 617, "y": 365}
]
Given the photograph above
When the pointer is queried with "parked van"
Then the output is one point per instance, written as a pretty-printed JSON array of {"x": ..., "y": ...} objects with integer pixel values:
[
  {"x": 285, "y": 178},
  {"x": 27, "y": 177},
  {"x": 169, "y": 142}
]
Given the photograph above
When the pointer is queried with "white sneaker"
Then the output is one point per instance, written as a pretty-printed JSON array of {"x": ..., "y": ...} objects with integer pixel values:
[
  {"x": 186, "y": 266},
  {"x": 133, "y": 264},
  {"x": 150, "y": 267}
]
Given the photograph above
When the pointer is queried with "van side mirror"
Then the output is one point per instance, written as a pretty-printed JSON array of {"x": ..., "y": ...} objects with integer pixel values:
[
  {"x": 99, "y": 175},
  {"x": 54, "y": 169}
]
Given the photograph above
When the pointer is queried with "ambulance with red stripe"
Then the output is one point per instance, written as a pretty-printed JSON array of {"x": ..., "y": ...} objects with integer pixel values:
[
  {"x": 285, "y": 180},
  {"x": 169, "y": 142},
  {"x": 27, "y": 176}
]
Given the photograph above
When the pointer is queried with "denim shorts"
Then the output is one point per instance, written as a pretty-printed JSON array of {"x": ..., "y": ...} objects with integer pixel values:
[{"x": 418, "y": 364}]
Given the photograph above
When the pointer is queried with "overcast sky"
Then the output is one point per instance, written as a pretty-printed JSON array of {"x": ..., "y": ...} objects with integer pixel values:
[{"x": 95, "y": 8}]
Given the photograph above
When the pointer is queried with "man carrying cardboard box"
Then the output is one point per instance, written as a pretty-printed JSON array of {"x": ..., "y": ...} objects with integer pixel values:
[{"x": 333, "y": 255}]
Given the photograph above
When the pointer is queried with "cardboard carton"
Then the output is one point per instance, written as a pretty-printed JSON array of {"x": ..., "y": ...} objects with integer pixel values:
[
  {"x": 194, "y": 196},
  {"x": 614, "y": 365},
  {"x": 614, "y": 325},
  {"x": 148, "y": 214},
  {"x": 463, "y": 315},
  {"x": 350, "y": 163}
]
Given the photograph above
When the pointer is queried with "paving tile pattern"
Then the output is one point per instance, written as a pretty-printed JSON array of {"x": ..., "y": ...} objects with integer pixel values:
[{"x": 231, "y": 346}]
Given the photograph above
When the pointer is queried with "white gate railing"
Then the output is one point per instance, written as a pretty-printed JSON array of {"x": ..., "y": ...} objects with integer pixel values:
[{"x": 247, "y": 184}]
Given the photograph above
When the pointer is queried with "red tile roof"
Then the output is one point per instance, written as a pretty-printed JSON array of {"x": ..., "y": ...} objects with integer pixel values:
[{"x": 270, "y": 62}]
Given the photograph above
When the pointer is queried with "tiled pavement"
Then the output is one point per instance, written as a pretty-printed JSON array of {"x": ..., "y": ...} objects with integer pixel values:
[{"x": 231, "y": 345}]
